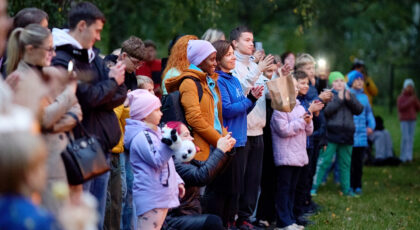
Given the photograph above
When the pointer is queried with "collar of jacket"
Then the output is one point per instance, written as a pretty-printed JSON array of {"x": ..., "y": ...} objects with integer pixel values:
[
  {"x": 356, "y": 91},
  {"x": 224, "y": 74},
  {"x": 79, "y": 54},
  {"x": 242, "y": 57}
]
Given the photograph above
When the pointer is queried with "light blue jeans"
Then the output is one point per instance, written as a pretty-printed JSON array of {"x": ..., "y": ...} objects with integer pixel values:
[{"x": 407, "y": 129}]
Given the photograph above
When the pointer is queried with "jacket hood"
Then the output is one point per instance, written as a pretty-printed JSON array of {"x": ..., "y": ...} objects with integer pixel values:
[
  {"x": 172, "y": 84},
  {"x": 134, "y": 127},
  {"x": 356, "y": 91},
  {"x": 61, "y": 37}
]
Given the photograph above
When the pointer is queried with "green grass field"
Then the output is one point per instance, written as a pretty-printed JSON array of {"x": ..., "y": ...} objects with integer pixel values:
[{"x": 391, "y": 195}]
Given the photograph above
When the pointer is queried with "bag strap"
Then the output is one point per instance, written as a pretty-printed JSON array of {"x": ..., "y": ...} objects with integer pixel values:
[
  {"x": 149, "y": 140},
  {"x": 197, "y": 83},
  {"x": 84, "y": 131},
  {"x": 152, "y": 147}
]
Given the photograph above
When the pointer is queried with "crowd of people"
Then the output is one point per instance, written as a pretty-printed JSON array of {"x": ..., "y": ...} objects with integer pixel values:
[{"x": 254, "y": 166}]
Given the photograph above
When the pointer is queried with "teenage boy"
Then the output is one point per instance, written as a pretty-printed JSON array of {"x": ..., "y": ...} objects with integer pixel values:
[
  {"x": 250, "y": 75},
  {"x": 119, "y": 207},
  {"x": 365, "y": 124},
  {"x": 132, "y": 55},
  {"x": 152, "y": 66},
  {"x": 306, "y": 63},
  {"x": 313, "y": 106},
  {"x": 104, "y": 91}
]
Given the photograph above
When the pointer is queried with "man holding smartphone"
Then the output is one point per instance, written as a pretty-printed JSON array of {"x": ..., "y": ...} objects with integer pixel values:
[{"x": 101, "y": 94}]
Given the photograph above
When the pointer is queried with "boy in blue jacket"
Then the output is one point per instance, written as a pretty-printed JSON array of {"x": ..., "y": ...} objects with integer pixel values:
[{"x": 365, "y": 124}]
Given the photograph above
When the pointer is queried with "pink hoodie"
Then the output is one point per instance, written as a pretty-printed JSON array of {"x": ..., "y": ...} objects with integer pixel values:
[{"x": 289, "y": 132}]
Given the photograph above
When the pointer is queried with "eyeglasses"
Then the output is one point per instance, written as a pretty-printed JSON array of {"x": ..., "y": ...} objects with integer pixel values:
[
  {"x": 49, "y": 50},
  {"x": 136, "y": 62}
]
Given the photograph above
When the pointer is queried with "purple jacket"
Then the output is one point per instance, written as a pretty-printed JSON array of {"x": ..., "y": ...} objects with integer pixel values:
[
  {"x": 289, "y": 132},
  {"x": 156, "y": 181}
]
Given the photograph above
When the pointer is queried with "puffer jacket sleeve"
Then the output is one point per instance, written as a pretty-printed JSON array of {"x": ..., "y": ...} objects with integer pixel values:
[
  {"x": 370, "y": 119},
  {"x": 203, "y": 175},
  {"x": 284, "y": 127},
  {"x": 333, "y": 106},
  {"x": 191, "y": 105},
  {"x": 355, "y": 106}
]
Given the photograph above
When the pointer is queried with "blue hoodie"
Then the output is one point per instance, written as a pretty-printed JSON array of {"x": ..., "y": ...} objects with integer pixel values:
[
  {"x": 156, "y": 181},
  {"x": 364, "y": 120},
  {"x": 235, "y": 106}
]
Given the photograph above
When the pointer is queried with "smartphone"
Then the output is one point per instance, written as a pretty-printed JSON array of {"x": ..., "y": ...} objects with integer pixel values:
[{"x": 258, "y": 46}]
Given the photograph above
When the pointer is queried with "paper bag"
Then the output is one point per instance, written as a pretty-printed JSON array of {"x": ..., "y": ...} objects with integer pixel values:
[{"x": 282, "y": 92}]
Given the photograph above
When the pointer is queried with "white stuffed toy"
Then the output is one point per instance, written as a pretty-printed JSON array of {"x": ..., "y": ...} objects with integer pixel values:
[{"x": 183, "y": 150}]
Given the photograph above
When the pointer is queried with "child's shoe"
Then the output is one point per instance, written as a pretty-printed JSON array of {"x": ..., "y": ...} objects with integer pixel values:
[
  {"x": 313, "y": 192},
  {"x": 358, "y": 191},
  {"x": 350, "y": 193}
]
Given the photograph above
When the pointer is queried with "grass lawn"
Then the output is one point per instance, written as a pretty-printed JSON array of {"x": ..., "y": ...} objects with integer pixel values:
[{"x": 391, "y": 195}]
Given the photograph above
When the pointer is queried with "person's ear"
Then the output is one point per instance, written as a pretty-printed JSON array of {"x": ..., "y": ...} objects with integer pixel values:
[
  {"x": 123, "y": 56},
  {"x": 29, "y": 48},
  {"x": 81, "y": 26},
  {"x": 235, "y": 44}
]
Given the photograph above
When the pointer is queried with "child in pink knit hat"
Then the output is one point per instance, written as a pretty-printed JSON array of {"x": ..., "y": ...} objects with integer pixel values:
[{"x": 156, "y": 186}]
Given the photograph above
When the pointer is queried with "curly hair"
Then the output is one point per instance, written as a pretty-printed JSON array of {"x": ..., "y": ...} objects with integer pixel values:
[{"x": 178, "y": 58}]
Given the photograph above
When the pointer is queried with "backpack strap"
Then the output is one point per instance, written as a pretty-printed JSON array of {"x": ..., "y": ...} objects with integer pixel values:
[{"x": 197, "y": 83}]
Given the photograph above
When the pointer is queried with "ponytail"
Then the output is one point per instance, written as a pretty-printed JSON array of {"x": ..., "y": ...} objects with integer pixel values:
[
  {"x": 32, "y": 34},
  {"x": 15, "y": 50}
]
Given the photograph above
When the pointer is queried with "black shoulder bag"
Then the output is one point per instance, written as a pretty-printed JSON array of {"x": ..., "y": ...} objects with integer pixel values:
[{"x": 83, "y": 157}]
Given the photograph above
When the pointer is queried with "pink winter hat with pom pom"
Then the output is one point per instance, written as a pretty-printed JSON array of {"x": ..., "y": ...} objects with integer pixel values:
[{"x": 142, "y": 103}]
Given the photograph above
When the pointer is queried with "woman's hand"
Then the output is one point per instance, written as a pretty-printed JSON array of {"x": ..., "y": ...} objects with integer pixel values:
[
  {"x": 226, "y": 143},
  {"x": 257, "y": 91}
]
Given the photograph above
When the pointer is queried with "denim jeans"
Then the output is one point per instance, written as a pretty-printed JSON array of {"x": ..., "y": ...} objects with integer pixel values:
[
  {"x": 114, "y": 194},
  {"x": 127, "y": 213},
  {"x": 407, "y": 130},
  {"x": 98, "y": 188}
]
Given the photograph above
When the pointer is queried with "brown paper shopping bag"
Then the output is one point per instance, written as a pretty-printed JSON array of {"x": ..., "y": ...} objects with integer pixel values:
[{"x": 282, "y": 92}]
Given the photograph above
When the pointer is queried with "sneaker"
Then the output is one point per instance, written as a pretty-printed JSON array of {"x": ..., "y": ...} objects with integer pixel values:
[
  {"x": 290, "y": 227},
  {"x": 297, "y": 226},
  {"x": 245, "y": 225},
  {"x": 358, "y": 191},
  {"x": 261, "y": 223},
  {"x": 302, "y": 221},
  {"x": 350, "y": 193},
  {"x": 313, "y": 192}
]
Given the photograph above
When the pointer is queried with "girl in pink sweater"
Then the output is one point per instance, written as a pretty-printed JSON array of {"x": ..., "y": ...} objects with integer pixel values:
[{"x": 289, "y": 132}]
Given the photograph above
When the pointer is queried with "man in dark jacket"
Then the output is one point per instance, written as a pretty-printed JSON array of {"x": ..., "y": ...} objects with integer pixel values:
[{"x": 101, "y": 93}]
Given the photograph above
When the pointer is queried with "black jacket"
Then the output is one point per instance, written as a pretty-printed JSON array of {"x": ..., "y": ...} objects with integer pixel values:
[
  {"x": 195, "y": 175},
  {"x": 98, "y": 97},
  {"x": 339, "y": 114}
]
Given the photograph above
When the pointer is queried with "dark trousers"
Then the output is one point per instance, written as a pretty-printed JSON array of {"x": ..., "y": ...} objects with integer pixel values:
[
  {"x": 252, "y": 177},
  {"x": 357, "y": 167},
  {"x": 193, "y": 222},
  {"x": 265, "y": 208},
  {"x": 114, "y": 195},
  {"x": 222, "y": 194},
  {"x": 287, "y": 178},
  {"x": 303, "y": 186}
]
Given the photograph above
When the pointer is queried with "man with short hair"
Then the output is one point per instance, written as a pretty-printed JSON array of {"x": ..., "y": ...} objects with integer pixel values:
[
  {"x": 103, "y": 91},
  {"x": 132, "y": 55}
]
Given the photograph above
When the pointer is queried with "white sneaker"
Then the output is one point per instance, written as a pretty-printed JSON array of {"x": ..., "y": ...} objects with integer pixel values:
[
  {"x": 290, "y": 227},
  {"x": 300, "y": 227}
]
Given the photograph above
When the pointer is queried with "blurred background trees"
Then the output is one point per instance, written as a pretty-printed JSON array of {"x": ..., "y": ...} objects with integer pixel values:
[{"x": 383, "y": 33}]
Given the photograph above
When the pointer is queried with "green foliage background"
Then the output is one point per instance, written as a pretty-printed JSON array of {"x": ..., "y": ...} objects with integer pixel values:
[{"x": 381, "y": 32}]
